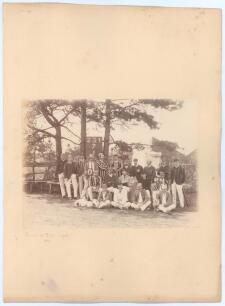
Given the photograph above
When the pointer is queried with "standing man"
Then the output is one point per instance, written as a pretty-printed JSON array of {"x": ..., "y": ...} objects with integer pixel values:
[
  {"x": 70, "y": 172},
  {"x": 117, "y": 165},
  {"x": 94, "y": 185},
  {"x": 59, "y": 172},
  {"x": 80, "y": 171},
  {"x": 102, "y": 166},
  {"x": 150, "y": 174},
  {"x": 177, "y": 179},
  {"x": 90, "y": 164},
  {"x": 124, "y": 178},
  {"x": 136, "y": 170},
  {"x": 165, "y": 168},
  {"x": 126, "y": 166}
]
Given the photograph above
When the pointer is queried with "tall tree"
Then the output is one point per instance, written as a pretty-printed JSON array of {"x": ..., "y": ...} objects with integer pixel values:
[
  {"x": 112, "y": 113},
  {"x": 55, "y": 114},
  {"x": 83, "y": 131},
  {"x": 107, "y": 127}
]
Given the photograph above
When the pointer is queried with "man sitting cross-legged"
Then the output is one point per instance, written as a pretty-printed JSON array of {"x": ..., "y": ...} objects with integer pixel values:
[
  {"x": 155, "y": 186},
  {"x": 103, "y": 197},
  {"x": 112, "y": 181},
  {"x": 120, "y": 197},
  {"x": 94, "y": 185},
  {"x": 141, "y": 198},
  {"x": 165, "y": 199}
]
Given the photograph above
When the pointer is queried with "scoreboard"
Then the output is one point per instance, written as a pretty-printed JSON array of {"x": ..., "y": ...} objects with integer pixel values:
[{"x": 93, "y": 145}]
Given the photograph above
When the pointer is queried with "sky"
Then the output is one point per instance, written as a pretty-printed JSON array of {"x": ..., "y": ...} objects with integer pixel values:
[{"x": 178, "y": 126}]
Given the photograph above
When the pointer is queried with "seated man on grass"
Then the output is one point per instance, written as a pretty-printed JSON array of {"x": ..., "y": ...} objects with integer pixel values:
[
  {"x": 111, "y": 180},
  {"x": 94, "y": 185},
  {"x": 155, "y": 186},
  {"x": 103, "y": 198},
  {"x": 165, "y": 199},
  {"x": 120, "y": 197},
  {"x": 141, "y": 198}
]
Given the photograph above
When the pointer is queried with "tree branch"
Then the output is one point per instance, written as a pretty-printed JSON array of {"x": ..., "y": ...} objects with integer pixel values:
[
  {"x": 70, "y": 140},
  {"x": 65, "y": 127},
  {"x": 47, "y": 115},
  {"x": 61, "y": 120},
  {"x": 42, "y": 131}
]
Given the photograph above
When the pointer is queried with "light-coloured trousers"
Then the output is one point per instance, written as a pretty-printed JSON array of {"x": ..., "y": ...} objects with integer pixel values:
[
  {"x": 141, "y": 206},
  {"x": 62, "y": 184},
  {"x": 73, "y": 180},
  {"x": 155, "y": 198},
  {"x": 89, "y": 192},
  {"x": 166, "y": 209},
  {"x": 83, "y": 185},
  {"x": 177, "y": 189}
]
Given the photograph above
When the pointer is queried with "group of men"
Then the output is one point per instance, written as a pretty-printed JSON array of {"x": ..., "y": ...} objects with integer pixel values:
[{"x": 96, "y": 183}]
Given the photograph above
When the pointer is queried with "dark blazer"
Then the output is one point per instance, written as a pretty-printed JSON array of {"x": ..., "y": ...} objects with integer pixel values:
[
  {"x": 177, "y": 175},
  {"x": 80, "y": 167},
  {"x": 136, "y": 171},
  {"x": 111, "y": 181},
  {"x": 60, "y": 167},
  {"x": 127, "y": 168},
  {"x": 166, "y": 171},
  {"x": 150, "y": 173},
  {"x": 69, "y": 169}
]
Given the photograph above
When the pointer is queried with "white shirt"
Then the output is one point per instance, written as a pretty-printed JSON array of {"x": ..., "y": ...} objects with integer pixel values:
[
  {"x": 91, "y": 165},
  {"x": 120, "y": 196},
  {"x": 140, "y": 199}
]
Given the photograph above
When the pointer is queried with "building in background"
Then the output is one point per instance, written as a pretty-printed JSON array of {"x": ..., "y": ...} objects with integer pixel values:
[{"x": 93, "y": 145}]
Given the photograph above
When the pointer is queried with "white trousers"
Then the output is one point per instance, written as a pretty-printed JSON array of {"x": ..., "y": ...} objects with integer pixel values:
[
  {"x": 62, "y": 184},
  {"x": 73, "y": 180},
  {"x": 178, "y": 189},
  {"x": 105, "y": 203},
  {"x": 120, "y": 205},
  {"x": 166, "y": 209},
  {"x": 81, "y": 184},
  {"x": 141, "y": 206},
  {"x": 155, "y": 198}
]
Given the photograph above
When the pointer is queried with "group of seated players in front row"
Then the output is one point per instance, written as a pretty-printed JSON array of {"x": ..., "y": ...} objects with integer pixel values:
[{"x": 95, "y": 183}]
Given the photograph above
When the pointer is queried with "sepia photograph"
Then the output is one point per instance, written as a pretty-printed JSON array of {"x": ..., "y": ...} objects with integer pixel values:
[
  {"x": 110, "y": 163},
  {"x": 112, "y": 131}
]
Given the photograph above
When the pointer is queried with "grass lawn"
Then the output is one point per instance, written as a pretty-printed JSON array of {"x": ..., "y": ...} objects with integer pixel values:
[{"x": 49, "y": 210}]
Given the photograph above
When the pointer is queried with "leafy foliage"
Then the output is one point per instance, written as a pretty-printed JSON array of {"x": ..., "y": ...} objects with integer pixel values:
[
  {"x": 47, "y": 119},
  {"x": 163, "y": 145}
]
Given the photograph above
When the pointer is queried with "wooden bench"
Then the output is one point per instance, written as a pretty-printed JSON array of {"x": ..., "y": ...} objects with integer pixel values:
[
  {"x": 32, "y": 183},
  {"x": 51, "y": 185}
]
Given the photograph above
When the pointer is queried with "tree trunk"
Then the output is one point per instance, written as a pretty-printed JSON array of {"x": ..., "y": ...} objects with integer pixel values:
[
  {"x": 58, "y": 142},
  {"x": 34, "y": 162},
  {"x": 107, "y": 128},
  {"x": 83, "y": 130}
]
